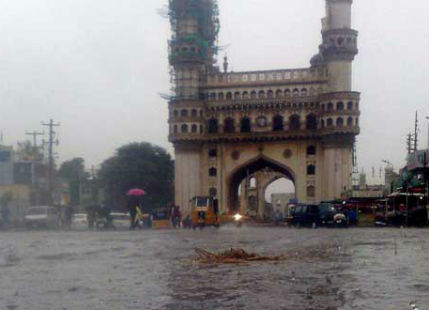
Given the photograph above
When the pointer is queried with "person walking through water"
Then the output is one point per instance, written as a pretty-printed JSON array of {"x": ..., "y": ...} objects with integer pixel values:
[{"x": 135, "y": 212}]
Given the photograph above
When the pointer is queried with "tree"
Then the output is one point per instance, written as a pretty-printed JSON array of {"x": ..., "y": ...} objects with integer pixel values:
[
  {"x": 73, "y": 171},
  {"x": 138, "y": 165}
]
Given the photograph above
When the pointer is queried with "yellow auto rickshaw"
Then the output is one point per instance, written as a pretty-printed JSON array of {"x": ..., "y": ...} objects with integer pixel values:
[{"x": 205, "y": 212}]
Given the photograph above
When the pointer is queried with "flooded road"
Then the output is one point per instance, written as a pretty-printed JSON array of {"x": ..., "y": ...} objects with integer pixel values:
[{"x": 326, "y": 269}]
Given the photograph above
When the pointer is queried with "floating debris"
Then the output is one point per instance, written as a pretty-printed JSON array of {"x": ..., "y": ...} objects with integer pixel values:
[{"x": 232, "y": 256}]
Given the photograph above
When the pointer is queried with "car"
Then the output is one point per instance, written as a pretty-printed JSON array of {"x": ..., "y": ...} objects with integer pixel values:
[
  {"x": 80, "y": 220},
  {"x": 42, "y": 216},
  {"x": 327, "y": 211},
  {"x": 305, "y": 215},
  {"x": 120, "y": 220}
]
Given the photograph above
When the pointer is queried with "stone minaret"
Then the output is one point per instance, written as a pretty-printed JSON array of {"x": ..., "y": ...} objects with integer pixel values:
[
  {"x": 192, "y": 50},
  {"x": 337, "y": 52}
]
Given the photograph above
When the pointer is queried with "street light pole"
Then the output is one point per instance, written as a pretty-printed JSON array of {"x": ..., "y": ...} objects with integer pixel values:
[{"x": 427, "y": 117}]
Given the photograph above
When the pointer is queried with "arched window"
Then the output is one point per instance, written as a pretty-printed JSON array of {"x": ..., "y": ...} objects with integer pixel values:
[
  {"x": 340, "y": 122},
  {"x": 252, "y": 182},
  {"x": 212, "y": 172},
  {"x": 261, "y": 94},
  {"x": 323, "y": 108},
  {"x": 311, "y": 150},
  {"x": 270, "y": 94},
  {"x": 220, "y": 96},
  {"x": 322, "y": 123},
  {"x": 311, "y": 170},
  {"x": 212, "y": 153},
  {"x": 287, "y": 92},
  {"x": 228, "y": 96},
  {"x": 304, "y": 92},
  {"x": 349, "y": 105},
  {"x": 175, "y": 113},
  {"x": 294, "y": 122},
  {"x": 184, "y": 113},
  {"x": 329, "y": 122},
  {"x": 253, "y": 95},
  {"x": 350, "y": 121},
  {"x": 228, "y": 125},
  {"x": 245, "y": 95},
  {"x": 340, "y": 106},
  {"x": 245, "y": 124},
  {"x": 278, "y": 93},
  {"x": 311, "y": 191},
  {"x": 175, "y": 128},
  {"x": 296, "y": 92},
  {"x": 212, "y": 192},
  {"x": 213, "y": 125},
  {"x": 201, "y": 129},
  {"x": 236, "y": 95},
  {"x": 194, "y": 128},
  {"x": 278, "y": 123},
  {"x": 311, "y": 122},
  {"x": 184, "y": 128},
  {"x": 330, "y": 107},
  {"x": 213, "y": 96},
  {"x": 194, "y": 113}
]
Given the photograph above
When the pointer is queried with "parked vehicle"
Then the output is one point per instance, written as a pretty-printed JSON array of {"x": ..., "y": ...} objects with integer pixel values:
[
  {"x": 305, "y": 215},
  {"x": 42, "y": 216},
  {"x": 120, "y": 220},
  {"x": 80, "y": 220},
  {"x": 327, "y": 212}
]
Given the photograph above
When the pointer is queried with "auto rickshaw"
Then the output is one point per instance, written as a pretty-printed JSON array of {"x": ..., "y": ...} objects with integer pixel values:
[{"x": 205, "y": 212}]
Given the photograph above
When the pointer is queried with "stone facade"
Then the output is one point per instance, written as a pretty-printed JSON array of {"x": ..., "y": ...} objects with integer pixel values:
[{"x": 298, "y": 123}]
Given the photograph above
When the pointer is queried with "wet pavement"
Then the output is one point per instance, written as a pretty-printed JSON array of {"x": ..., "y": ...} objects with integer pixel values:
[{"x": 326, "y": 269}]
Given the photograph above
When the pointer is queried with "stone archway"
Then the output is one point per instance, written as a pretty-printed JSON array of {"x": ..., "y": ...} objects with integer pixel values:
[{"x": 265, "y": 171}]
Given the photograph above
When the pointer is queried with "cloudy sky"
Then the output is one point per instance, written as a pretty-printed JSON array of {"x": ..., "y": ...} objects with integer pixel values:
[{"x": 98, "y": 66}]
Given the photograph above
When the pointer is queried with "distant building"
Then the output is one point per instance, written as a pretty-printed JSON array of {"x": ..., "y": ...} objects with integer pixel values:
[
  {"x": 280, "y": 201},
  {"x": 6, "y": 165}
]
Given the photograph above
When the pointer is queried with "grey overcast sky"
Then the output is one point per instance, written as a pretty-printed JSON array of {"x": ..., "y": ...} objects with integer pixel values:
[{"x": 98, "y": 66}]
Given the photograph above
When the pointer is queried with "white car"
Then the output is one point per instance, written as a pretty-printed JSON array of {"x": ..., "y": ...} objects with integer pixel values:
[
  {"x": 120, "y": 220},
  {"x": 80, "y": 220},
  {"x": 42, "y": 216}
]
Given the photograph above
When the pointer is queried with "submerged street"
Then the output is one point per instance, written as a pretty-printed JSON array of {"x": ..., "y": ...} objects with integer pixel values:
[{"x": 329, "y": 269}]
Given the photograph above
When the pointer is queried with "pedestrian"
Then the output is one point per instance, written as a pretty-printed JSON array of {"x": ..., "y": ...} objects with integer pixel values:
[
  {"x": 177, "y": 217},
  {"x": 133, "y": 207},
  {"x": 5, "y": 214},
  {"x": 68, "y": 216}
]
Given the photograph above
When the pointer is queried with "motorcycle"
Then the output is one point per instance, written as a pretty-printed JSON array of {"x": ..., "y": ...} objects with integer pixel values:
[{"x": 238, "y": 220}]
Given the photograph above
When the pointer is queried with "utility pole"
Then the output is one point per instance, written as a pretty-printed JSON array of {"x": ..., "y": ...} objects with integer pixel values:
[
  {"x": 36, "y": 158},
  {"x": 51, "y": 142},
  {"x": 416, "y": 129},
  {"x": 34, "y": 134},
  {"x": 427, "y": 117}
]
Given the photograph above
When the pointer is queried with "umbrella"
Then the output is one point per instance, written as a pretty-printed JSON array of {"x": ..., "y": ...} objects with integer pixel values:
[{"x": 136, "y": 192}]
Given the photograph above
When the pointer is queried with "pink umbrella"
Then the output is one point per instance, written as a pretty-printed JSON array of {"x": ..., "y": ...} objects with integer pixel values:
[{"x": 136, "y": 192}]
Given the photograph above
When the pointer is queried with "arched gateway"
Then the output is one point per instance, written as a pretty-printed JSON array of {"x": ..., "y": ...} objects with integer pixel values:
[
  {"x": 230, "y": 127},
  {"x": 242, "y": 193}
]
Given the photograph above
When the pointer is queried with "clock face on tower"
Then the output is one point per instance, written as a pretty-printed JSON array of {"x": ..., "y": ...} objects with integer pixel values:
[{"x": 261, "y": 121}]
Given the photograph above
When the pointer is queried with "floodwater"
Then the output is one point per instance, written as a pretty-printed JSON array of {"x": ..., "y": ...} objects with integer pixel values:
[{"x": 328, "y": 269}]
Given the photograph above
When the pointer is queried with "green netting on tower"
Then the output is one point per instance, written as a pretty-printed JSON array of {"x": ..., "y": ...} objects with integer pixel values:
[{"x": 202, "y": 39}]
